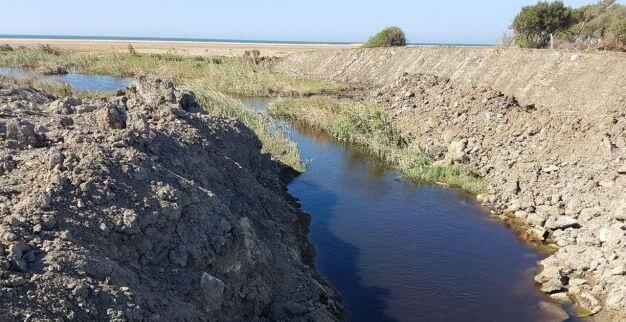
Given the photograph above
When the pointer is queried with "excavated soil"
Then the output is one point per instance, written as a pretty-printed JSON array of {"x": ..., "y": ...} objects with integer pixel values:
[
  {"x": 140, "y": 206},
  {"x": 546, "y": 131}
]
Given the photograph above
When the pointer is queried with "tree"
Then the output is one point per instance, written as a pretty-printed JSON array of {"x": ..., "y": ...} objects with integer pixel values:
[
  {"x": 388, "y": 37},
  {"x": 535, "y": 25}
]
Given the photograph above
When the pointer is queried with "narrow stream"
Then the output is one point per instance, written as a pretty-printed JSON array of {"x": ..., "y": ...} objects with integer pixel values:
[
  {"x": 397, "y": 251},
  {"x": 394, "y": 250}
]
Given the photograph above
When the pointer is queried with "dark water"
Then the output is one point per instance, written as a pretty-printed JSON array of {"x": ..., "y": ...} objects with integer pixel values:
[
  {"x": 397, "y": 251},
  {"x": 79, "y": 82}
]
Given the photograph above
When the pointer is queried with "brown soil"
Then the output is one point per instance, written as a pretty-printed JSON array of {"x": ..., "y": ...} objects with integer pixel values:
[
  {"x": 140, "y": 207},
  {"x": 545, "y": 129}
]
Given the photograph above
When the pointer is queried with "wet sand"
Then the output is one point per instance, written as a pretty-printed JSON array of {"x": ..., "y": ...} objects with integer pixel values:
[{"x": 191, "y": 48}]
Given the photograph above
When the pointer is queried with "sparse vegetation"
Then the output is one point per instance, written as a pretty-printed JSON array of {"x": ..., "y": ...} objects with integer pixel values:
[
  {"x": 211, "y": 79},
  {"x": 132, "y": 51},
  {"x": 388, "y": 37},
  {"x": 366, "y": 126},
  {"x": 252, "y": 55},
  {"x": 49, "y": 50},
  {"x": 592, "y": 25},
  {"x": 230, "y": 75},
  {"x": 54, "y": 88},
  {"x": 275, "y": 140},
  {"x": 619, "y": 32},
  {"x": 6, "y": 47}
]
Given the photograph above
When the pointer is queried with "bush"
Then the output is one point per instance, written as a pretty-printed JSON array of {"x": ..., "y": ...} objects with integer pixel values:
[
  {"x": 6, "y": 47},
  {"x": 619, "y": 32},
  {"x": 252, "y": 55},
  {"x": 535, "y": 24},
  {"x": 388, "y": 37},
  {"x": 50, "y": 50},
  {"x": 132, "y": 50}
]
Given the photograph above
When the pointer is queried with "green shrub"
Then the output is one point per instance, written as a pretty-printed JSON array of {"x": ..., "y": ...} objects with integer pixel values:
[
  {"x": 534, "y": 24},
  {"x": 388, "y": 37},
  {"x": 366, "y": 127},
  {"x": 619, "y": 32}
]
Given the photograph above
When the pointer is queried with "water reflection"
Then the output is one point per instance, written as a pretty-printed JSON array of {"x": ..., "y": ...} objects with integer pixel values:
[{"x": 79, "y": 82}]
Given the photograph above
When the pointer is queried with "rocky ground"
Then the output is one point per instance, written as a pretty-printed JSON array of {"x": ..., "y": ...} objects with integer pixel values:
[
  {"x": 561, "y": 175},
  {"x": 140, "y": 206},
  {"x": 546, "y": 131}
]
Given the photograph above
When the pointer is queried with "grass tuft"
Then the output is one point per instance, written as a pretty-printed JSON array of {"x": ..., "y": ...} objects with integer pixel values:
[
  {"x": 275, "y": 140},
  {"x": 366, "y": 126}
]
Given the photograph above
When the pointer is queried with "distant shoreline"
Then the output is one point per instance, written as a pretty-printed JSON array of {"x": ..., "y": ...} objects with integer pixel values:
[
  {"x": 180, "y": 46},
  {"x": 213, "y": 40}
]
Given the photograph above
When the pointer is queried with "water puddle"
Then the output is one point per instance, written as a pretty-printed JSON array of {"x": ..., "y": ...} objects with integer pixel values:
[{"x": 79, "y": 82}]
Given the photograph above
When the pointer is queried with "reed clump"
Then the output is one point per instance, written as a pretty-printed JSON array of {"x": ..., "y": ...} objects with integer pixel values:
[{"x": 365, "y": 125}]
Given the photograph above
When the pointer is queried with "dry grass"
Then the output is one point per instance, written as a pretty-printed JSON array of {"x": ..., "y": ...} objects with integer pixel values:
[
  {"x": 275, "y": 140},
  {"x": 209, "y": 78},
  {"x": 231, "y": 75},
  {"x": 367, "y": 126}
]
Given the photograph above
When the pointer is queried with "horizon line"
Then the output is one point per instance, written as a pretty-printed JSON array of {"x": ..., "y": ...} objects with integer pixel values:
[{"x": 225, "y": 40}]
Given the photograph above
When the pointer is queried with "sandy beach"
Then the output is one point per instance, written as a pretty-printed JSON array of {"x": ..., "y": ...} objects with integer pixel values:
[{"x": 191, "y": 48}]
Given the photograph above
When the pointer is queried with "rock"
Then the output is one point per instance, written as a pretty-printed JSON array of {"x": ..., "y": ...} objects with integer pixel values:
[
  {"x": 616, "y": 299},
  {"x": 587, "y": 304},
  {"x": 619, "y": 270},
  {"x": 561, "y": 222},
  {"x": 24, "y": 133},
  {"x": 552, "y": 312},
  {"x": 456, "y": 151},
  {"x": 110, "y": 117},
  {"x": 55, "y": 158},
  {"x": 550, "y": 168},
  {"x": 66, "y": 121},
  {"x": 211, "y": 291},
  {"x": 139, "y": 123},
  {"x": 551, "y": 280},
  {"x": 560, "y": 297},
  {"x": 16, "y": 249},
  {"x": 620, "y": 210}
]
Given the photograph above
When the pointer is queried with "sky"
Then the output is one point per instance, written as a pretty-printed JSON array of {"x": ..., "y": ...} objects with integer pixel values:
[{"x": 440, "y": 21}]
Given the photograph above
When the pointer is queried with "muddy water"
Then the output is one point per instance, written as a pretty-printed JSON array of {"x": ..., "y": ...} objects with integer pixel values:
[
  {"x": 79, "y": 82},
  {"x": 397, "y": 251}
]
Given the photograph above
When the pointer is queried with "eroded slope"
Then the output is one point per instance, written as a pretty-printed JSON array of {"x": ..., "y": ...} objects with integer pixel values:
[{"x": 143, "y": 207}]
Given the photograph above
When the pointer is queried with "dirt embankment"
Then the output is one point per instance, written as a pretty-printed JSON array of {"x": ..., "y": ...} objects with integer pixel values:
[
  {"x": 545, "y": 129},
  {"x": 141, "y": 206}
]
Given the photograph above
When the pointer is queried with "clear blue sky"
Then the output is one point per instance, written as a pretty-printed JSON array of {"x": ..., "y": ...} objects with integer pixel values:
[{"x": 463, "y": 21}]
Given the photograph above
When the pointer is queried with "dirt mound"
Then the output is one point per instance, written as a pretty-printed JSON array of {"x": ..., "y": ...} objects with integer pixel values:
[
  {"x": 545, "y": 129},
  {"x": 142, "y": 207},
  {"x": 561, "y": 174}
]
